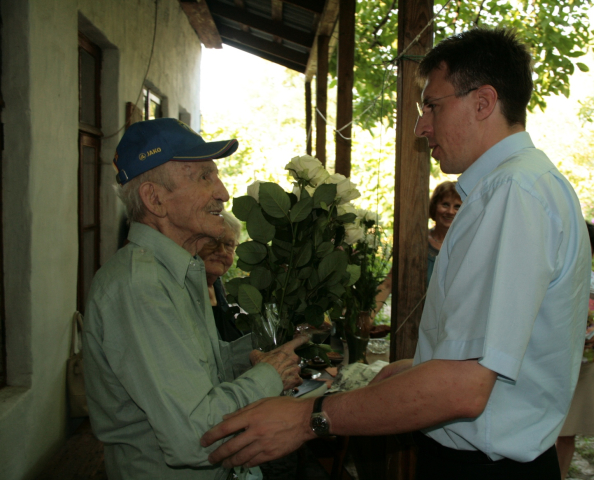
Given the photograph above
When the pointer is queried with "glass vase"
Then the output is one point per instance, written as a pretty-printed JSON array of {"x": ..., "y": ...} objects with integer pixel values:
[
  {"x": 271, "y": 329},
  {"x": 357, "y": 336}
]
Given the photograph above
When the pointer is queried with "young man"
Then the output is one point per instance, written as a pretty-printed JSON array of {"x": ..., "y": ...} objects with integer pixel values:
[
  {"x": 157, "y": 376},
  {"x": 501, "y": 335}
]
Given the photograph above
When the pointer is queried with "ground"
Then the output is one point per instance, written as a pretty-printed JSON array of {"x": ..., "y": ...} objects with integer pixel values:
[{"x": 582, "y": 465}]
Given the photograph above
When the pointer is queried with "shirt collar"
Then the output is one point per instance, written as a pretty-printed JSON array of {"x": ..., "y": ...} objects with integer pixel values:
[
  {"x": 170, "y": 254},
  {"x": 490, "y": 160}
]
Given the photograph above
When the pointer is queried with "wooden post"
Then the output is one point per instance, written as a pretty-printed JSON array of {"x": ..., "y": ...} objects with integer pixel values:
[
  {"x": 308, "y": 132},
  {"x": 344, "y": 100},
  {"x": 411, "y": 211},
  {"x": 322, "y": 97}
]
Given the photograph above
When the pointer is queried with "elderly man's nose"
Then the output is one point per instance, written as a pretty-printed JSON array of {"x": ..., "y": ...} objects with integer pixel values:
[{"x": 221, "y": 192}]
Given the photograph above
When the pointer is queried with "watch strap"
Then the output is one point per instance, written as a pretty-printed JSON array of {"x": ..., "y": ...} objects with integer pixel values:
[{"x": 317, "y": 407}]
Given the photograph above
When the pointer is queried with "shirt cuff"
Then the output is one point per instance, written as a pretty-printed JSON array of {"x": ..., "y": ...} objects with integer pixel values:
[{"x": 266, "y": 378}]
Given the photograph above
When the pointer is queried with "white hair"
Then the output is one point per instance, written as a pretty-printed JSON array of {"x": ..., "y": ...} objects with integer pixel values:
[
  {"x": 129, "y": 192},
  {"x": 233, "y": 224}
]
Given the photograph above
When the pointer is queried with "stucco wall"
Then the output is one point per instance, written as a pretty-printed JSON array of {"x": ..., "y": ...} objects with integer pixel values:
[{"x": 40, "y": 162}]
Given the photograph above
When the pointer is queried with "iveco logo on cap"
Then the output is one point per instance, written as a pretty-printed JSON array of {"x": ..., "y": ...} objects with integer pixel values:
[{"x": 142, "y": 156}]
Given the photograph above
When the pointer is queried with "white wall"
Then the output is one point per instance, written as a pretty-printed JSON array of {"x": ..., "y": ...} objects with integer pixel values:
[{"x": 40, "y": 162}]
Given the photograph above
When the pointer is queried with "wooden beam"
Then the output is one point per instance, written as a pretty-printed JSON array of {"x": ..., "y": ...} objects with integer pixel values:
[
  {"x": 344, "y": 100},
  {"x": 325, "y": 27},
  {"x": 260, "y": 23},
  {"x": 316, "y": 6},
  {"x": 262, "y": 45},
  {"x": 202, "y": 22},
  {"x": 276, "y": 13},
  {"x": 411, "y": 209},
  {"x": 411, "y": 201},
  {"x": 266, "y": 56},
  {"x": 308, "y": 125},
  {"x": 322, "y": 98}
]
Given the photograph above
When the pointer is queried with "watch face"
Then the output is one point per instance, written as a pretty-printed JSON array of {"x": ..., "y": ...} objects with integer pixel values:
[{"x": 319, "y": 424}]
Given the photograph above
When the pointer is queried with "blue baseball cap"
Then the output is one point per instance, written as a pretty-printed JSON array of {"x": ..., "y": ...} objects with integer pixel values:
[{"x": 151, "y": 143}]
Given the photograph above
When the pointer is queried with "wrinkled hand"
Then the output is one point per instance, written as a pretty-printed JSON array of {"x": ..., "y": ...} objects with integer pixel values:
[
  {"x": 392, "y": 369},
  {"x": 284, "y": 360},
  {"x": 273, "y": 428}
]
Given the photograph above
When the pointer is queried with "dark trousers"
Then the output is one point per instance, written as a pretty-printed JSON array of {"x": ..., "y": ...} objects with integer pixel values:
[{"x": 436, "y": 462}]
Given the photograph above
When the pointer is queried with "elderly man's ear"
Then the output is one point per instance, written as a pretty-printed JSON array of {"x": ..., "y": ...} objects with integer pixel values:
[{"x": 152, "y": 196}]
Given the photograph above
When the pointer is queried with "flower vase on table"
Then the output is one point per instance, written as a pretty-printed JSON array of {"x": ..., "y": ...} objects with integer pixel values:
[
  {"x": 357, "y": 336},
  {"x": 272, "y": 330}
]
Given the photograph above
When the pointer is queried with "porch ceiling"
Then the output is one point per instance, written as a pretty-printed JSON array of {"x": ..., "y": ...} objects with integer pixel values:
[{"x": 281, "y": 31}]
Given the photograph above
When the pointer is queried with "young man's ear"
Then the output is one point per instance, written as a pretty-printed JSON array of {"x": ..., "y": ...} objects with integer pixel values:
[
  {"x": 488, "y": 97},
  {"x": 151, "y": 195}
]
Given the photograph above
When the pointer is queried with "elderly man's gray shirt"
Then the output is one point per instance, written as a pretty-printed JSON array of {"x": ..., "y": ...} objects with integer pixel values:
[{"x": 157, "y": 375}]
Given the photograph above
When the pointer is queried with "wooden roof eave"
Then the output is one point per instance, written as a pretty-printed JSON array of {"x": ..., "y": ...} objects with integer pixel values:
[
  {"x": 202, "y": 22},
  {"x": 327, "y": 27}
]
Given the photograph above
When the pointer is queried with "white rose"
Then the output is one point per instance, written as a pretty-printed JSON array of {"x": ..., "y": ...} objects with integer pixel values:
[
  {"x": 254, "y": 190},
  {"x": 366, "y": 216},
  {"x": 372, "y": 240},
  {"x": 346, "y": 208},
  {"x": 345, "y": 189},
  {"x": 353, "y": 233},
  {"x": 307, "y": 168}
]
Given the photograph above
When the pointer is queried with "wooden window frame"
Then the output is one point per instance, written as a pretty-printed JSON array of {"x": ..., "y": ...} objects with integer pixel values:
[{"x": 89, "y": 136}]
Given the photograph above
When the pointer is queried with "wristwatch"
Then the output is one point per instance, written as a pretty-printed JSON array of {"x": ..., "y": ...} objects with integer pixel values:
[{"x": 319, "y": 422}]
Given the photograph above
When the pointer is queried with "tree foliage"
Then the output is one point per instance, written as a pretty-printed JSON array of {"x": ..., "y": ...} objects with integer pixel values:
[{"x": 556, "y": 31}]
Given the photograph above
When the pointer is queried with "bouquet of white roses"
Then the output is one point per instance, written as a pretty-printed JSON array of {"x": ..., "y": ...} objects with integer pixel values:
[{"x": 297, "y": 260}]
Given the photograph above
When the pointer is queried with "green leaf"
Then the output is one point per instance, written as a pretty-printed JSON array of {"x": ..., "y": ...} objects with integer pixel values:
[
  {"x": 314, "y": 315},
  {"x": 347, "y": 218},
  {"x": 274, "y": 200},
  {"x": 243, "y": 322},
  {"x": 301, "y": 210},
  {"x": 252, "y": 252},
  {"x": 232, "y": 286},
  {"x": 303, "y": 254},
  {"x": 249, "y": 299},
  {"x": 258, "y": 228},
  {"x": 583, "y": 67},
  {"x": 325, "y": 248},
  {"x": 337, "y": 290},
  {"x": 242, "y": 206},
  {"x": 304, "y": 273},
  {"x": 334, "y": 262},
  {"x": 354, "y": 272},
  {"x": 325, "y": 193},
  {"x": 246, "y": 267},
  {"x": 260, "y": 277}
]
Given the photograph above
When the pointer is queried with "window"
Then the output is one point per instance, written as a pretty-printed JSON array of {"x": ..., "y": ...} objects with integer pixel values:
[
  {"x": 152, "y": 104},
  {"x": 89, "y": 142}
]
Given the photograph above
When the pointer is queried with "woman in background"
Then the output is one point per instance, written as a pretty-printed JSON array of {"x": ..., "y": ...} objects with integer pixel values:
[
  {"x": 218, "y": 257},
  {"x": 443, "y": 206}
]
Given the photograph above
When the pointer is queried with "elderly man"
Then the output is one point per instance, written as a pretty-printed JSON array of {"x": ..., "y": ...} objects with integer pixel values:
[
  {"x": 502, "y": 330},
  {"x": 157, "y": 375}
]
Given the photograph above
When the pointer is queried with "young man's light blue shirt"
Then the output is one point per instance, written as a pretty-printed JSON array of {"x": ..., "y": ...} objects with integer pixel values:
[{"x": 510, "y": 288}]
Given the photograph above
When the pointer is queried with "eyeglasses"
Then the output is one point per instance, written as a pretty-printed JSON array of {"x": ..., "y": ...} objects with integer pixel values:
[
  {"x": 430, "y": 106},
  {"x": 215, "y": 245}
]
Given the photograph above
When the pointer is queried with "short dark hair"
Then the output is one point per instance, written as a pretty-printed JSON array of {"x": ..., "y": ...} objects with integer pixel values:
[
  {"x": 442, "y": 190},
  {"x": 590, "y": 234},
  {"x": 486, "y": 57}
]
